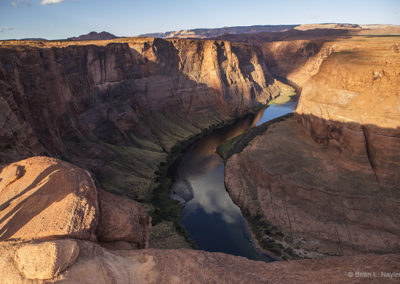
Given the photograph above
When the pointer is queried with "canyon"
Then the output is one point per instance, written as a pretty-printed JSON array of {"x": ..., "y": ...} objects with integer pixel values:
[
  {"x": 326, "y": 181},
  {"x": 104, "y": 120}
]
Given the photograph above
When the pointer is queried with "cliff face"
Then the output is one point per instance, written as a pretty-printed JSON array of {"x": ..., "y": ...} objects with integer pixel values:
[
  {"x": 118, "y": 107},
  {"x": 327, "y": 182},
  {"x": 353, "y": 105}
]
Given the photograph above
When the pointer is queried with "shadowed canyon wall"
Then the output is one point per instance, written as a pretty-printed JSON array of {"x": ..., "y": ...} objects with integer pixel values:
[{"x": 118, "y": 107}]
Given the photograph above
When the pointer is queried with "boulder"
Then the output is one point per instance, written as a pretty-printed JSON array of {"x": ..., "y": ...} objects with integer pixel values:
[
  {"x": 45, "y": 198},
  {"x": 46, "y": 260},
  {"x": 122, "y": 219}
]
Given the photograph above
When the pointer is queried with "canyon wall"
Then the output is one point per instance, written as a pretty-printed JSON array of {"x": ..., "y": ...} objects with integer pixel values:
[
  {"x": 353, "y": 105},
  {"x": 327, "y": 181},
  {"x": 117, "y": 107}
]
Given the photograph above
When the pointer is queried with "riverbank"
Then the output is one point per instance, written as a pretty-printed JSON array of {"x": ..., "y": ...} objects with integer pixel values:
[
  {"x": 165, "y": 211},
  {"x": 269, "y": 239},
  {"x": 238, "y": 143}
]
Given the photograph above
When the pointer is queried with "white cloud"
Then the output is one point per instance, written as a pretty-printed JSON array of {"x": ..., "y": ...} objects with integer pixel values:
[
  {"x": 49, "y": 2},
  {"x": 5, "y": 29}
]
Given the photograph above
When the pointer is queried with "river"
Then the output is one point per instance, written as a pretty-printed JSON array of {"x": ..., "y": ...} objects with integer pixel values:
[{"x": 210, "y": 217}]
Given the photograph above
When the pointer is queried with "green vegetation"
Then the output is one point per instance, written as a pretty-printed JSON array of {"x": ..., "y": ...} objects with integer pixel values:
[
  {"x": 268, "y": 235},
  {"x": 163, "y": 208},
  {"x": 130, "y": 173},
  {"x": 284, "y": 96}
]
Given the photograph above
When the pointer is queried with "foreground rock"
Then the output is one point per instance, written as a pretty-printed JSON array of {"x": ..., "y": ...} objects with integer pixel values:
[
  {"x": 43, "y": 198},
  {"x": 98, "y": 265},
  {"x": 46, "y": 260},
  {"x": 122, "y": 219}
]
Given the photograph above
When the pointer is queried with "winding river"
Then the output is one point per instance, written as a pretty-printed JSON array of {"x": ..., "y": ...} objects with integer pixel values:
[{"x": 210, "y": 217}]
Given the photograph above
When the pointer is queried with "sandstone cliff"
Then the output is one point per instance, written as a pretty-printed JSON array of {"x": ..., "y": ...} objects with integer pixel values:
[
  {"x": 315, "y": 186},
  {"x": 328, "y": 184},
  {"x": 117, "y": 108}
]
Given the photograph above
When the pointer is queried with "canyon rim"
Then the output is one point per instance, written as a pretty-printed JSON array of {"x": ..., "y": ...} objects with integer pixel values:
[{"x": 107, "y": 141}]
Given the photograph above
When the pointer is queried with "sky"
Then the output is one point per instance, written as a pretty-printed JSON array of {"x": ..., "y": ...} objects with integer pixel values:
[{"x": 58, "y": 19}]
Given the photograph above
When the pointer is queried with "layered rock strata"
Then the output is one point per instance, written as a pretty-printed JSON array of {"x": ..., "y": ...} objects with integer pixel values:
[
  {"x": 327, "y": 182},
  {"x": 117, "y": 107}
]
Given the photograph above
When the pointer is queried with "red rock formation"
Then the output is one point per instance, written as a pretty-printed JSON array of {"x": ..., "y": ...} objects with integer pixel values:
[
  {"x": 99, "y": 265},
  {"x": 44, "y": 198},
  {"x": 116, "y": 107},
  {"x": 122, "y": 219},
  {"x": 329, "y": 184},
  {"x": 44, "y": 260}
]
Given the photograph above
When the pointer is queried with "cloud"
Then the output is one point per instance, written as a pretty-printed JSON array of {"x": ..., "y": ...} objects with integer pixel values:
[
  {"x": 17, "y": 3},
  {"x": 5, "y": 29},
  {"x": 50, "y": 2}
]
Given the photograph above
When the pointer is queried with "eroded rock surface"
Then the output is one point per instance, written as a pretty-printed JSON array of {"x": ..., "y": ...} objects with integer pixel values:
[
  {"x": 315, "y": 201},
  {"x": 122, "y": 219},
  {"x": 45, "y": 198},
  {"x": 353, "y": 104},
  {"x": 98, "y": 265},
  {"x": 46, "y": 260},
  {"x": 329, "y": 183},
  {"x": 117, "y": 107}
]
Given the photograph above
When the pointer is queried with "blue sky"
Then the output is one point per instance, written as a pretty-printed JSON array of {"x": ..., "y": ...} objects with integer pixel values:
[{"x": 56, "y": 19}]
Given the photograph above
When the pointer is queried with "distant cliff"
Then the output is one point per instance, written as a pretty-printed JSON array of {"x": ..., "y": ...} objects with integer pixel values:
[{"x": 215, "y": 32}]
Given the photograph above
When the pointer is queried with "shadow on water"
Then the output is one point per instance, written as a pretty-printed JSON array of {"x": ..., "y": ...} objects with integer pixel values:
[{"x": 210, "y": 217}]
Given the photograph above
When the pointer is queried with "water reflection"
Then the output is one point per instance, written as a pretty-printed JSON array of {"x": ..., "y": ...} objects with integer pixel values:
[
  {"x": 210, "y": 216},
  {"x": 274, "y": 111}
]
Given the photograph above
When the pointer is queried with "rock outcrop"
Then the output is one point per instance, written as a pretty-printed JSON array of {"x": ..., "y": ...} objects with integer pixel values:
[
  {"x": 353, "y": 105},
  {"x": 308, "y": 201},
  {"x": 45, "y": 260},
  {"x": 99, "y": 265},
  {"x": 122, "y": 219},
  {"x": 43, "y": 198},
  {"x": 73, "y": 260},
  {"x": 328, "y": 184}
]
